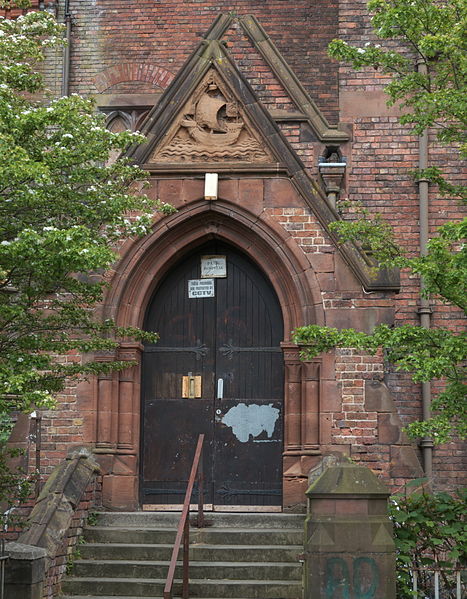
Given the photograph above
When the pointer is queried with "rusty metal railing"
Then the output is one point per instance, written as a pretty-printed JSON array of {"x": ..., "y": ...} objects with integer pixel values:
[{"x": 183, "y": 530}]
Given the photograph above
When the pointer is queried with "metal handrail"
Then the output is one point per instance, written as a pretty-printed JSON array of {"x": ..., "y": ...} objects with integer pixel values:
[{"x": 183, "y": 530}]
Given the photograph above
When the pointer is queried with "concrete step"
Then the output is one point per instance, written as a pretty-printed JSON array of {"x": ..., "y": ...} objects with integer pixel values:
[
  {"x": 210, "y": 536},
  {"x": 216, "y": 519},
  {"x": 131, "y": 587},
  {"x": 217, "y": 570},
  {"x": 200, "y": 552},
  {"x": 247, "y": 556}
]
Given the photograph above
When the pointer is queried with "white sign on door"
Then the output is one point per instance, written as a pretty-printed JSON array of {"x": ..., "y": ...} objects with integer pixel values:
[
  {"x": 201, "y": 288},
  {"x": 213, "y": 267}
]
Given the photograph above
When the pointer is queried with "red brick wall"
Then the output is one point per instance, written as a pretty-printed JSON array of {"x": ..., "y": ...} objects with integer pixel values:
[
  {"x": 381, "y": 155},
  {"x": 120, "y": 47},
  {"x": 111, "y": 32},
  {"x": 69, "y": 550}
]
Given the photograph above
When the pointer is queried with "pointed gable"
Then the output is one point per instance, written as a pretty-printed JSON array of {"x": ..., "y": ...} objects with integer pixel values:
[{"x": 211, "y": 120}]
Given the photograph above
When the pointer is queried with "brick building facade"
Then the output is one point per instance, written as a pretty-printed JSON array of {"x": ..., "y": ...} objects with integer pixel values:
[{"x": 150, "y": 65}]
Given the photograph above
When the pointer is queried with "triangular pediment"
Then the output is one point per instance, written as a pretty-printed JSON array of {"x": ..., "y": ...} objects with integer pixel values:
[
  {"x": 211, "y": 120},
  {"x": 212, "y": 126}
]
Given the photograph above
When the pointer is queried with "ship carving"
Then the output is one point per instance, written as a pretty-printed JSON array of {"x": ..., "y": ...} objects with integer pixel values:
[
  {"x": 212, "y": 128},
  {"x": 211, "y": 123}
]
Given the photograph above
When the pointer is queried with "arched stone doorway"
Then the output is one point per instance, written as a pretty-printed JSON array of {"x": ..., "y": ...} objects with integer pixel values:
[
  {"x": 217, "y": 369},
  {"x": 143, "y": 266}
]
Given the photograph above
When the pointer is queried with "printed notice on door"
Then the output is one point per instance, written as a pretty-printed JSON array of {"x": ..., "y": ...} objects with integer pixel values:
[
  {"x": 213, "y": 267},
  {"x": 201, "y": 288}
]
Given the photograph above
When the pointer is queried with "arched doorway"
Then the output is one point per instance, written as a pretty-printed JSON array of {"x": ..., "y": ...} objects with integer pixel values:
[
  {"x": 217, "y": 369},
  {"x": 144, "y": 265}
]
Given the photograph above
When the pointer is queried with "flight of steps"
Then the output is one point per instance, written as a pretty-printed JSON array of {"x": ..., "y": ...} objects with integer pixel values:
[{"x": 248, "y": 555}]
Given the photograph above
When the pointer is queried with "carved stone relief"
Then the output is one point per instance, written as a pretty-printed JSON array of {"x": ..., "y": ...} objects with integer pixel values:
[{"x": 212, "y": 127}]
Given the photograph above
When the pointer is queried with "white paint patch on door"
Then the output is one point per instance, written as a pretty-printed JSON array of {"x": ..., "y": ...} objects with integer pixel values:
[{"x": 252, "y": 419}]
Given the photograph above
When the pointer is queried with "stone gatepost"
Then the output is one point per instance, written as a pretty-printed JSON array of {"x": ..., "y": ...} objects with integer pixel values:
[
  {"x": 349, "y": 546},
  {"x": 25, "y": 571}
]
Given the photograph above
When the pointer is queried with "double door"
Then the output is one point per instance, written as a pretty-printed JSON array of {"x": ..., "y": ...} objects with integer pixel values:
[{"x": 217, "y": 369}]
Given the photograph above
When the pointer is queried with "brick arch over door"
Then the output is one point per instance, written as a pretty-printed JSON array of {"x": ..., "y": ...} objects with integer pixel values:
[{"x": 143, "y": 265}]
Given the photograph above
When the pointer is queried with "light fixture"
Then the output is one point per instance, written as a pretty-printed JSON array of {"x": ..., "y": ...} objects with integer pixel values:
[
  {"x": 332, "y": 171},
  {"x": 211, "y": 182}
]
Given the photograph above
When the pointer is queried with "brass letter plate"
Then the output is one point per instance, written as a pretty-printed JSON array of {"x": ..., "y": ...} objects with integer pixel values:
[{"x": 191, "y": 386}]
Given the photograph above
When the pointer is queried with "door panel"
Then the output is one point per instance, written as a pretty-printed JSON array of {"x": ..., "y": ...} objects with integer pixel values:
[
  {"x": 235, "y": 337},
  {"x": 248, "y": 452},
  {"x": 169, "y": 446}
]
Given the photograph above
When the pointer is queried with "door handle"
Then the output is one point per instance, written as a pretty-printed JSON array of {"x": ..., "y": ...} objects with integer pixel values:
[
  {"x": 191, "y": 386},
  {"x": 220, "y": 388}
]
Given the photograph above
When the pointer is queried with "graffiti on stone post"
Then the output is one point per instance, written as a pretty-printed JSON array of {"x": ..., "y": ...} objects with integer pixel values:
[
  {"x": 337, "y": 581},
  {"x": 361, "y": 581}
]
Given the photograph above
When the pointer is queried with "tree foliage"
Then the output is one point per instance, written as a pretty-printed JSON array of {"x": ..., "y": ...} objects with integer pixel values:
[
  {"x": 63, "y": 208},
  {"x": 431, "y": 33},
  {"x": 430, "y": 533},
  {"x": 434, "y": 35}
]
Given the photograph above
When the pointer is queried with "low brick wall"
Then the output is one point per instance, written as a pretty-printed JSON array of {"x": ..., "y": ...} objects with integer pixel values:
[{"x": 55, "y": 525}]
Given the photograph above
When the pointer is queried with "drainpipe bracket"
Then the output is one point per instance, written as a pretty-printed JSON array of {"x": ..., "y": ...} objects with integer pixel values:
[{"x": 426, "y": 443}]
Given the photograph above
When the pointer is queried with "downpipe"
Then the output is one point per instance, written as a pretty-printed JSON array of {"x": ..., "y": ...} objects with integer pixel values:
[
  {"x": 424, "y": 310},
  {"x": 65, "y": 89}
]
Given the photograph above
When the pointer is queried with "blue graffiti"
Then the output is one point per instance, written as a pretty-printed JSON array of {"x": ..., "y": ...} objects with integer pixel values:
[
  {"x": 337, "y": 578},
  {"x": 363, "y": 585}
]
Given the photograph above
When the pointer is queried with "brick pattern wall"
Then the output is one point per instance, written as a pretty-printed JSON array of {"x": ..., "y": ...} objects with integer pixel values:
[
  {"x": 156, "y": 39},
  {"x": 381, "y": 155},
  {"x": 13, "y": 523},
  {"x": 307, "y": 151},
  {"x": 306, "y": 230},
  {"x": 257, "y": 72},
  {"x": 63, "y": 425},
  {"x": 108, "y": 33},
  {"x": 354, "y": 424}
]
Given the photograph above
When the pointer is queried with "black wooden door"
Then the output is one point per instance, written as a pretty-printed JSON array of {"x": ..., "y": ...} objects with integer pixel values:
[{"x": 232, "y": 342}]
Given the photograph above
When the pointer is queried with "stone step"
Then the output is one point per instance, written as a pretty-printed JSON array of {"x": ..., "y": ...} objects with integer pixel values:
[
  {"x": 218, "y": 570},
  {"x": 131, "y": 587},
  {"x": 210, "y": 536},
  {"x": 216, "y": 519},
  {"x": 201, "y": 552}
]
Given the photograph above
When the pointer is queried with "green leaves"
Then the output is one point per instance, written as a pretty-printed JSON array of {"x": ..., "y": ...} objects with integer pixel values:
[
  {"x": 64, "y": 207},
  {"x": 433, "y": 34},
  {"x": 430, "y": 531},
  {"x": 426, "y": 353}
]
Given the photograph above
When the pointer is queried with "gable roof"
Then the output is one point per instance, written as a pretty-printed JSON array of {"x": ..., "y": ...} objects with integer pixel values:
[
  {"x": 211, "y": 54},
  {"x": 325, "y": 132}
]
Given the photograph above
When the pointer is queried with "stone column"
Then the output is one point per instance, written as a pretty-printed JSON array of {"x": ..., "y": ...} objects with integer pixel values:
[
  {"x": 349, "y": 545},
  {"x": 118, "y": 425},
  {"x": 106, "y": 410},
  {"x": 310, "y": 406},
  {"x": 301, "y": 423}
]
